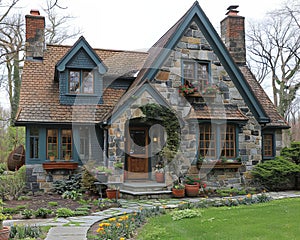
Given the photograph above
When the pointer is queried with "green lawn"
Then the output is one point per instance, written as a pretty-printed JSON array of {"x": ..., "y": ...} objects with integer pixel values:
[{"x": 278, "y": 219}]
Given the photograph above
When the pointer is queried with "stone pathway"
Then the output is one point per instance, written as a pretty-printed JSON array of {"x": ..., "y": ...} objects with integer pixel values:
[{"x": 76, "y": 228}]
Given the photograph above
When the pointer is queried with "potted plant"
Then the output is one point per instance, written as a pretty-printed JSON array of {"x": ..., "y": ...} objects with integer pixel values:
[
  {"x": 4, "y": 231},
  {"x": 102, "y": 173},
  {"x": 51, "y": 156},
  {"x": 159, "y": 172},
  {"x": 178, "y": 189},
  {"x": 192, "y": 186},
  {"x": 112, "y": 192},
  {"x": 67, "y": 157},
  {"x": 187, "y": 89}
]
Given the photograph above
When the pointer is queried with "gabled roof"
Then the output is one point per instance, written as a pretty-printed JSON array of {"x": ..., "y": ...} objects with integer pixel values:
[
  {"x": 162, "y": 48},
  {"x": 39, "y": 96}
]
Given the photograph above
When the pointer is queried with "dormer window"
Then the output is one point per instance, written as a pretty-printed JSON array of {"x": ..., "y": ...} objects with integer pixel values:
[
  {"x": 81, "y": 82},
  {"x": 196, "y": 73}
]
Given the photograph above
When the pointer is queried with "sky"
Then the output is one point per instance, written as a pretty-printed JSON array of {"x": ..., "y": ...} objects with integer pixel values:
[{"x": 138, "y": 24}]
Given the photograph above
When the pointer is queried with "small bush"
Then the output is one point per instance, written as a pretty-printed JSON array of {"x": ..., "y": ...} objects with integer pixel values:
[
  {"x": 88, "y": 182},
  {"x": 74, "y": 195},
  {"x": 24, "y": 231},
  {"x": 42, "y": 213},
  {"x": 27, "y": 213},
  {"x": 64, "y": 212},
  {"x": 275, "y": 174},
  {"x": 73, "y": 182}
]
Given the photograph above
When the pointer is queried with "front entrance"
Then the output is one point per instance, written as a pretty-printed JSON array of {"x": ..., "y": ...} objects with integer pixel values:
[{"x": 137, "y": 150}]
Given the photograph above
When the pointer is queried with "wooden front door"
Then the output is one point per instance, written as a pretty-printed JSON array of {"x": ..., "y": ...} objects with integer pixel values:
[{"x": 137, "y": 149}]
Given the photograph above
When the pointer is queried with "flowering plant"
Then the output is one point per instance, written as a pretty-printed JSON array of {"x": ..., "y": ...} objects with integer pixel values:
[
  {"x": 178, "y": 185},
  {"x": 187, "y": 89},
  {"x": 2, "y": 216},
  {"x": 159, "y": 167},
  {"x": 212, "y": 89}
]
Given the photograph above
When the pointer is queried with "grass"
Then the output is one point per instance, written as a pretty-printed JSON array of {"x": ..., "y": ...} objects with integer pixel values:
[{"x": 278, "y": 219}]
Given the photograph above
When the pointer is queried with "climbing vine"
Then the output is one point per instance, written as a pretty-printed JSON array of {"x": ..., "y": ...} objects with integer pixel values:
[{"x": 169, "y": 121}]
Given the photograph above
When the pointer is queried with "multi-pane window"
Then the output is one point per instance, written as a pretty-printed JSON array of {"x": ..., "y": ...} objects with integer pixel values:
[
  {"x": 196, "y": 73},
  {"x": 81, "y": 82},
  {"x": 34, "y": 143},
  {"x": 217, "y": 140},
  {"x": 268, "y": 150},
  {"x": 207, "y": 141},
  {"x": 52, "y": 142},
  {"x": 66, "y": 143},
  {"x": 228, "y": 142}
]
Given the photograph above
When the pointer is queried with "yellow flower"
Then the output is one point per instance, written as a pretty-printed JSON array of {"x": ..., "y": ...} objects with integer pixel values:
[
  {"x": 249, "y": 195},
  {"x": 100, "y": 229},
  {"x": 122, "y": 238},
  {"x": 112, "y": 219},
  {"x": 118, "y": 224},
  {"x": 101, "y": 224},
  {"x": 125, "y": 213}
]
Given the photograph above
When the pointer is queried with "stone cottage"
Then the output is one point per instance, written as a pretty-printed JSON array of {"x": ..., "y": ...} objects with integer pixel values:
[{"x": 190, "y": 97}]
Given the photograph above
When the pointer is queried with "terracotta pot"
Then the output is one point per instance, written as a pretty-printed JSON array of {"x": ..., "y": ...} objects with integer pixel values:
[
  {"x": 192, "y": 190},
  {"x": 178, "y": 193},
  {"x": 4, "y": 233},
  {"x": 160, "y": 177},
  {"x": 52, "y": 158},
  {"x": 112, "y": 193}
]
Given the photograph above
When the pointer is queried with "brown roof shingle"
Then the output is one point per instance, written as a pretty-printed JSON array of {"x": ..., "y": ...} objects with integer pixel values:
[{"x": 39, "y": 97}]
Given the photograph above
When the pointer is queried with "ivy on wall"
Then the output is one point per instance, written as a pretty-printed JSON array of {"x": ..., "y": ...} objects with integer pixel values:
[{"x": 169, "y": 121}]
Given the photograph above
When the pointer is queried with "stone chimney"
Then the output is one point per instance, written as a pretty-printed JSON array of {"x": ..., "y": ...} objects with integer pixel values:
[
  {"x": 35, "y": 36},
  {"x": 233, "y": 34}
]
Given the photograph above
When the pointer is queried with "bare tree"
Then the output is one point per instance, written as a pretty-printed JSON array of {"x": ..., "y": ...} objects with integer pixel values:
[
  {"x": 7, "y": 6},
  {"x": 58, "y": 28},
  {"x": 274, "y": 50},
  {"x": 12, "y": 43}
]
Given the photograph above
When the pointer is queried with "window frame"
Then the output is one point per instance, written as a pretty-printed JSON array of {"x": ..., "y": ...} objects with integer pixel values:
[
  {"x": 90, "y": 72},
  {"x": 201, "y": 84},
  {"x": 216, "y": 129},
  {"x": 271, "y": 147},
  {"x": 34, "y": 142},
  {"x": 59, "y": 143}
]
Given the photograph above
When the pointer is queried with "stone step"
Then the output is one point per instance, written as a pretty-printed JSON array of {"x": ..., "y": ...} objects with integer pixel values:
[{"x": 144, "y": 187}]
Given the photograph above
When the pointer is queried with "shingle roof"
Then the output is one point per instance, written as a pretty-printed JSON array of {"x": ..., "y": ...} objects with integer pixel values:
[
  {"x": 276, "y": 120},
  {"x": 39, "y": 97},
  {"x": 202, "y": 111}
]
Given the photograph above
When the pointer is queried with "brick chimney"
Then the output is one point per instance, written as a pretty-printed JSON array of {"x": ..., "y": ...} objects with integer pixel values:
[
  {"x": 233, "y": 34},
  {"x": 35, "y": 36}
]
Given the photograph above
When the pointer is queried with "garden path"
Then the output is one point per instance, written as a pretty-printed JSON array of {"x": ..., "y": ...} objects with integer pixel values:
[{"x": 76, "y": 228}]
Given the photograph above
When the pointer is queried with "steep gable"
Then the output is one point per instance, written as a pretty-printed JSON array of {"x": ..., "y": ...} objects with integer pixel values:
[{"x": 163, "y": 48}]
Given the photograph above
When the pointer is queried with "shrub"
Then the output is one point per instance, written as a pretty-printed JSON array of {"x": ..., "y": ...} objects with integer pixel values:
[
  {"x": 42, "y": 213},
  {"x": 292, "y": 152},
  {"x": 12, "y": 183},
  {"x": 74, "y": 195},
  {"x": 52, "y": 204},
  {"x": 27, "y": 213},
  {"x": 64, "y": 212},
  {"x": 3, "y": 168},
  {"x": 88, "y": 182},
  {"x": 25, "y": 231},
  {"x": 73, "y": 182},
  {"x": 275, "y": 174}
]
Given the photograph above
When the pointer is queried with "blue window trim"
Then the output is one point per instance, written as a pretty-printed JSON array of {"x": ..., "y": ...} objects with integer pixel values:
[
  {"x": 273, "y": 146},
  {"x": 59, "y": 142},
  {"x": 198, "y": 62},
  {"x": 218, "y": 138},
  {"x": 81, "y": 70}
]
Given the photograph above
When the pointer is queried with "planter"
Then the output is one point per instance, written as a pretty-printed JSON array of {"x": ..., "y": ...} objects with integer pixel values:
[
  {"x": 52, "y": 158},
  {"x": 178, "y": 193},
  {"x": 4, "y": 233},
  {"x": 160, "y": 177},
  {"x": 112, "y": 193},
  {"x": 52, "y": 165},
  {"x": 192, "y": 190}
]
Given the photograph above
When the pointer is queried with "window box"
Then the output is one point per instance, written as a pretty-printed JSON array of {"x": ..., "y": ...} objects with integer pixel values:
[
  {"x": 219, "y": 165},
  {"x": 67, "y": 165}
]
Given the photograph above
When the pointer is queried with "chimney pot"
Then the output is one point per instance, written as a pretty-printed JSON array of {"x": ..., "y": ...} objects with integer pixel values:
[
  {"x": 35, "y": 12},
  {"x": 232, "y": 10}
]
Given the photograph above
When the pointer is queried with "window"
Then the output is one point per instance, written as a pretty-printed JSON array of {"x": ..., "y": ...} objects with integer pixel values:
[
  {"x": 59, "y": 143},
  {"x": 228, "y": 142},
  {"x": 34, "y": 143},
  {"x": 196, "y": 73},
  {"x": 81, "y": 82},
  {"x": 84, "y": 143},
  {"x": 66, "y": 143},
  {"x": 212, "y": 136},
  {"x": 52, "y": 142},
  {"x": 268, "y": 143}
]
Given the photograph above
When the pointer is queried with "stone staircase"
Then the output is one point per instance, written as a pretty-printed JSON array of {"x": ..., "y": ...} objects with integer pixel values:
[{"x": 144, "y": 190}]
